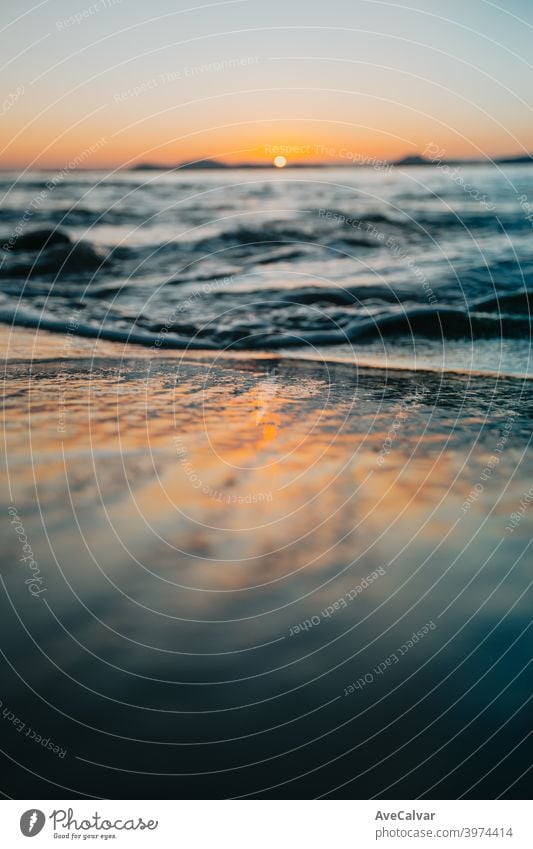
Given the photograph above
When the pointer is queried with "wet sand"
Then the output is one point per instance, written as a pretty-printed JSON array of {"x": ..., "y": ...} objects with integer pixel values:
[{"x": 254, "y": 577}]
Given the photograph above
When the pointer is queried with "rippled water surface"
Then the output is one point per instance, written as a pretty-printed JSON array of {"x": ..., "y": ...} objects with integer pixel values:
[
  {"x": 227, "y": 549},
  {"x": 418, "y": 267},
  {"x": 293, "y": 561}
]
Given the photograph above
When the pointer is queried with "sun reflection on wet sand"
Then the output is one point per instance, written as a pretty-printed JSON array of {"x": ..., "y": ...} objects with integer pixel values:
[
  {"x": 186, "y": 515},
  {"x": 227, "y": 463}
]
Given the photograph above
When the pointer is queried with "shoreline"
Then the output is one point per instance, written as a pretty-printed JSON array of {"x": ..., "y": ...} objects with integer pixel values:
[
  {"x": 226, "y": 547},
  {"x": 44, "y": 342}
]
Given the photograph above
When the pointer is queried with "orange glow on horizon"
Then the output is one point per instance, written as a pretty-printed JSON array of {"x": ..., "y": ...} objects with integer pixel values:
[{"x": 104, "y": 145}]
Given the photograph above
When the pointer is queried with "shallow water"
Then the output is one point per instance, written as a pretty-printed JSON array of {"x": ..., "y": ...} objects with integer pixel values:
[
  {"x": 356, "y": 259},
  {"x": 234, "y": 556}
]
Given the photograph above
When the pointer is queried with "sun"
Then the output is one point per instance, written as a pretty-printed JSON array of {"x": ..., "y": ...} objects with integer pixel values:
[{"x": 280, "y": 162}]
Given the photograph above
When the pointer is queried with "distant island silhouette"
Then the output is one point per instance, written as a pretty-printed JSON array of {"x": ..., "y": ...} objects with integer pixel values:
[{"x": 406, "y": 161}]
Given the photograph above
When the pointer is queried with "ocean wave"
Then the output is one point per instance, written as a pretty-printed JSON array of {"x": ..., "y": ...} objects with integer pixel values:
[
  {"x": 27, "y": 318},
  {"x": 59, "y": 259},
  {"x": 520, "y": 301},
  {"x": 251, "y": 262},
  {"x": 439, "y": 322}
]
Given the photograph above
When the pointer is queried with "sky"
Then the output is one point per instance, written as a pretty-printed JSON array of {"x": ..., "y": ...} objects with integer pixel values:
[{"x": 114, "y": 83}]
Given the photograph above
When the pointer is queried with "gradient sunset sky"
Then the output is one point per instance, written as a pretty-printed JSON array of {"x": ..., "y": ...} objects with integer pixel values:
[{"x": 167, "y": 82}]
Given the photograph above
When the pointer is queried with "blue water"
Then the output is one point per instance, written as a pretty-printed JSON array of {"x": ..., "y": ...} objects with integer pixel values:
[
  {"x": 189, "y": 641},
  {"x": 187, "y": 515},
  {"x": 418, "y": 266}
]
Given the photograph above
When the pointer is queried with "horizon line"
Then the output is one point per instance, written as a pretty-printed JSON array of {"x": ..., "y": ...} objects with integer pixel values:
[{"x": 207, "y": 163}]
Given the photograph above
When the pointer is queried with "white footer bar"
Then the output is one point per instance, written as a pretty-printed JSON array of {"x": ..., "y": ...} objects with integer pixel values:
[{"x": 264, "y": 824}]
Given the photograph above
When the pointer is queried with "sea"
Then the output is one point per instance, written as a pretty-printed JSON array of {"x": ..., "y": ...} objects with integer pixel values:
[
  {"x": 270, "y": 537},
  {"x": 421, "y": 267}
]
